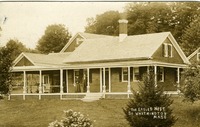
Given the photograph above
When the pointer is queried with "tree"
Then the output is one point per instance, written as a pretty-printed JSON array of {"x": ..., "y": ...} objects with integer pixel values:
[
  {"x": 183, "y": 15},
  {"x": 147, "y": 105},
  {"x": 55, "y": 38},
  {"x": 16, "y": 48},
  {"x": 106, "y": 23},
  {"x": 191, "y": 83},
  {"x": 191, "y": 37},
  {"x": 5, "y": 75}
]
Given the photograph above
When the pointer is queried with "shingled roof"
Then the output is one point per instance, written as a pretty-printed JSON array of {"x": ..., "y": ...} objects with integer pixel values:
[
  {"x": 43, "y": 59},
  {"x": 84, "y": 36},
  {"x": 109, "y": 48}
]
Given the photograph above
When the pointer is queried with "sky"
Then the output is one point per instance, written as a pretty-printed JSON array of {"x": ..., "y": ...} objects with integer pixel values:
[{"x": 27, "y": 21}]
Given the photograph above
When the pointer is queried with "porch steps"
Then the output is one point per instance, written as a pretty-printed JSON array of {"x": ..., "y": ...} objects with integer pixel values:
[{"x": 89, "y": 97}]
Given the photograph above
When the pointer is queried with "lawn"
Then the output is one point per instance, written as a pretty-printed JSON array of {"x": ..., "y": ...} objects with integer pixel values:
[{"x": 106, "y": 113}]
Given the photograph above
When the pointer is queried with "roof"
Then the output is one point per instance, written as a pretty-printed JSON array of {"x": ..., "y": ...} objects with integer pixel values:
[
  {"x": 84, "y": 36},
  {"x": 109, "y": 48},
  {"x": 43, "y": 59},
  {"x": 193, "y": 54}
]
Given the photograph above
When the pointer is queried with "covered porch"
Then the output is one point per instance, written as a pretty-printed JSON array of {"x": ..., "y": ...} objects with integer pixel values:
[{"x": 107, "y": 79}]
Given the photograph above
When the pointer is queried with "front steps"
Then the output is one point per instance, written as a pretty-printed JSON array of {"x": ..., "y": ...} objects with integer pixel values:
[{"x": 89, "y": 97}]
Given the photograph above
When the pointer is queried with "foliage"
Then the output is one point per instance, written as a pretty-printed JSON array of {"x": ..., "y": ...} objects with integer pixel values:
[
  {"x": 55, "y": 38},
  {"x": 150, "y": 17},
  {"x": 191, "y": 83},
  {"x": 72, "y": 119},
  {"x": 191, "y": 37},
  {"x": 106, "y": 23},
  {"x": 149, "y": 99},
  {"x": 16, "y": 48},
  {"x": 5, "y": 64}
]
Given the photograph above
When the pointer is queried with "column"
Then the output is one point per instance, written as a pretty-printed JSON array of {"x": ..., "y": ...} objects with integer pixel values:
[
  {"x": 101, "y": 80},
  {"x": 61, "y": 80},
  {"x": 24, "y": 88},
  {"x": 148, "y": 71},
  {"x": 88, "y": 80},
  {"x": 109, "y": 71},
  {"x": 104, "y": 80},
  {"x": 178, "y": 79},
  {"x": 40, "y": 85},
  {"x": 129, "y": 81},
  {"x": 155, "y": 73},
  {"x": 67, "y": 80}
]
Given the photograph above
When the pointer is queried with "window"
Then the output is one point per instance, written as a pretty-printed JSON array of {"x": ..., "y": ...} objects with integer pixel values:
[
  {"x": 136, "y": 74},
  {"x": 124, "y": 74},
  {"x": 161, "y": 74},
  {"x": 76, "y": 76},
  {"x": 167, "y": 50},
  {"x": 45, "y": 79},
  {"x": 78, "y": 41}
]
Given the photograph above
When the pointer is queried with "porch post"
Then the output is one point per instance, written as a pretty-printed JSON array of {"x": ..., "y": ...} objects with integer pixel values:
[
  {"x": 100, "y": 79},
  {"x": 67, "y": 80},
  {"x": 40, "y": 84},
  {"x": 178, "y": 79},
  {"x": 155, "y": 73},
  {"x": 88, "y": 80},
  {"x": 148, "y": 70},
  {"x": 24, "y": 87},
  {"x": 129, "y": 81},
  {"x": 61, "y": 80},
  {"x": 104, "y": 79},
  {"x": 109, "y": 71}
]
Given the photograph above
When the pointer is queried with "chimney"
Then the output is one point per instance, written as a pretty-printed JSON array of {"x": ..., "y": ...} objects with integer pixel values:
[{"x": 122, "y": 29}]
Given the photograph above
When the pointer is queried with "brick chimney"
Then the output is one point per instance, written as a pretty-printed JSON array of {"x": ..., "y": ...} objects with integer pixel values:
[{"x": 122, "y": 29}]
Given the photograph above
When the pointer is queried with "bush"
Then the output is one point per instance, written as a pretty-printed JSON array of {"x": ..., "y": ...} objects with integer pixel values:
[
  {"x": 149, "y": 107},
  {"x": 72, "y": 119}
]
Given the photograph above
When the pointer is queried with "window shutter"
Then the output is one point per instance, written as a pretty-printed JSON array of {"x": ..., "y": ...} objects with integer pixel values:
[
  {"x": 120, "y": 75},
  {"x": 158, "y": 74},
  {"x": 170, "y": 50},
  {"x": 165, "y": 50},
  {"x": 81, "y": 75},
  {"x": 72, "y": 76},
  {"x": 131, "y": 73},
  {"x": 90, "y": 74}
]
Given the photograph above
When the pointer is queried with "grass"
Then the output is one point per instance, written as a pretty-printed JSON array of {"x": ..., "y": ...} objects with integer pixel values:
[{"x": 106, "y": 113}]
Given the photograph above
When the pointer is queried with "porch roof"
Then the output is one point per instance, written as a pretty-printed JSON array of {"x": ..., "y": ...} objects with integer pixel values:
[
  {"x": 131, "y": 63},
  {"x": 109, "y": 48},
  {"x": 50, "y": 60}
]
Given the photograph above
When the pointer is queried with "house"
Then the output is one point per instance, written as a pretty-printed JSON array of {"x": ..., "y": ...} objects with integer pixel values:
[
  {"x": 101, "y": 64},
  {"x": 195, "y": 56}
]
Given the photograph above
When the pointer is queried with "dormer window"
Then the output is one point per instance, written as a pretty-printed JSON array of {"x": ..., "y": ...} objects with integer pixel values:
[
  {"x": 79, "y": 41},
  {"x": 167, "y": 50}
]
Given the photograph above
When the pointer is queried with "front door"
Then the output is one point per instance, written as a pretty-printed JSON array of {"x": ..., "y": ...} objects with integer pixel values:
[{"x": 46, "y": 85}]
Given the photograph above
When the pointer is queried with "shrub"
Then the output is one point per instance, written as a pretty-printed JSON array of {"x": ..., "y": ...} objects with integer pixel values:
[
  {"x": 150, "y": 107},
  {"x": 72, "y": 119}
]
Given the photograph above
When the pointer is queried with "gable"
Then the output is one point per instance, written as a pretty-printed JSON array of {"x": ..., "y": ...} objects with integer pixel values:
[
  {"x": 193, "y": 59},
  {"x": 159, "y": 56},
  {"x": 74, "y": 44},
  {"x": 24, "y": 62}
]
